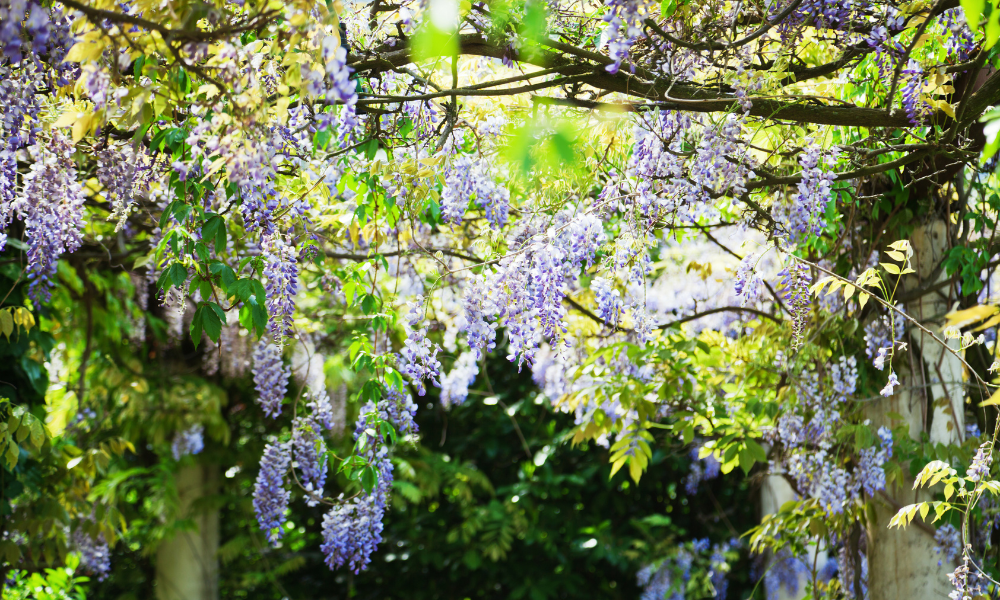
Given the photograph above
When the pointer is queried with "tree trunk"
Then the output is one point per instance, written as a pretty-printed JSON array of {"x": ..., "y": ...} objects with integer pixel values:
[
  {"x": 187, "y": 564},
  {"x": 902, "y": 563}
]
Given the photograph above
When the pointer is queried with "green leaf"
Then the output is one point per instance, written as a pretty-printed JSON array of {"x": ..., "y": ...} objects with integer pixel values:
[
  {"x": 973, "y": 11},
  {"x": 212, "y": 318},
  {"x": 197, "y": 325},
  {"x": 177, "y": 274},
  {"x": 11, "y": 454},
  {"x": 241, "y": 289},
  {"x": 214, "y": 229},
  {"x": 992, "y": 29},
  {"x": 746, "y": 460},
  {"x": 369, "y": 478},
  {"x": 756, "y": 450}
]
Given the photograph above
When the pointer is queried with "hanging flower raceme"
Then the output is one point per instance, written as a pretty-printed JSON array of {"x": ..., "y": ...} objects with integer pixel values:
[
  {"x": 187, "y": 442},
  {"x": 281, "y": 271},
  {"x": 400, "y": 410},
  {"x": 270, "y": 377},
  {"x": 270, "y": 498},
  {"x": 805, "y": 216},
  {"x": 352, "y": 530},
  {"x": 95, "y": 555},
  {"x": 418, "y": 358},
  {"x": 913, "y": 103},
  {"x": 624, "y": 27},
  {"x": 795, "y": 294},
  {"x": 51, "y": 206},
  {"x": 116, "y": 171},
  {"x": 609, "y": 301},
  {"x": 477, "y": 315},
  {"x": 455, "y": 385},
  {"x": 469, "y": 179}
]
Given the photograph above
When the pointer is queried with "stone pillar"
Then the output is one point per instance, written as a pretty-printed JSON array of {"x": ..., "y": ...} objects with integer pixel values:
[
  {"x": 187, "y": 565},
  {"x": 902, "y": 563}
]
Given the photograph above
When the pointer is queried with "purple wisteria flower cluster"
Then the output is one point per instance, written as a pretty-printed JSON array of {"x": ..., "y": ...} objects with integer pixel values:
[
  {"x": 960, "y": 42},
  {"x": 270, "y": 377},
  {"x": 455, "y": 385},
  {"x": 913, "y": 102},
  {"x": 806, "y": 432},
  {"x": 609, "y": 301},
  {"x": 352, "y": 530},
  {"x": 281, "y": 272},
  {"x": 418, "y": 358},
  {"x": 805, "y": 215},
  {"x": 668, "y": 579},
  {"x": 794, "y": 281},
  {"x": 51, "y": 206},
  {"x": 117, "y": 167},
  {"x": 748, "y": 282},
  {"x": 188, "y": 442},
  {"x": 624, "y": 26},
  {"x": 703, "y": 469},
  {"x": 947, "y": 543},
  {"x": 469, "y": 179},
  {"x": 980, "y": 467},
  {"x": 525, "y": 293},
  {"x": 270, "y": 498},
  {"x": 19, "y": 106},
  {"x": 95, "y": 555}
]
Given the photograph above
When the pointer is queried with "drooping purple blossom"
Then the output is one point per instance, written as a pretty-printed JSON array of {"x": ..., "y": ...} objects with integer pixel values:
[
  {"x": 95, "y": 556},
  {"x": 96, "y": 83},
  {"x": 352, "y": 530},
  {"x": 959, "y": 41},
  {"x": 270, "y": 498},
  {"x": 270, "y": 377},
  {"x": 468, "y": 179},
  {"x": 116, "y": 171},
  {"x": 188, "y": 442},
  {"x": 947, "y": 542},
  {"x": 455, "y": 385},
  {"x": 624, "y": 27},
  {"x": 795, "y": 293},
  {"x": 419, "y": 355},
  {"x": 548, "y": 290},
  {"x": 19, "y": 105},
  {"x": 701, "y": 470},
  {"x": 476, "y": 316},
  {"x": 281, "y": 272},
  {"x": 805, "y": 215},
  {"x": 318, "y": 403},
  {"x": 890, "y": 384},
  {"x": 719, "y": 567},
  {"x": 400, "y": 411},
  {"x": 51, "y": 206},
  {"x": 870, "y": 474},
  {"x": 579, "y": 240},
  {"x": 980, "y": 467},
  {"x": 914, "y": 105},
  {"x": 12, "y": 13},
  {"x": 747, "y": 281},
  {"x": 609, "y": 301},
  {"x": 784, "y": 572}
]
